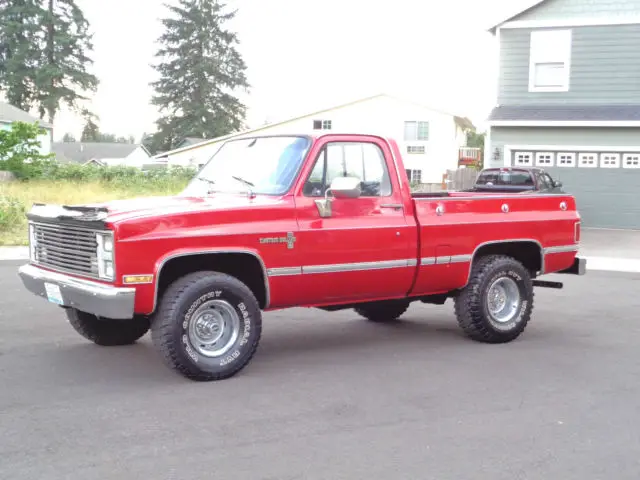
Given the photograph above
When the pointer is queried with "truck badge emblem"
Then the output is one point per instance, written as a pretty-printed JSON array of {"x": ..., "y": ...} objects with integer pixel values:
[{"x": 290, "y": 240}]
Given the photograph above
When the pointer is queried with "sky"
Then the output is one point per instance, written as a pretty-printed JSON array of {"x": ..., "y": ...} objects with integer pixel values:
[{"x": 307, "y": 55}]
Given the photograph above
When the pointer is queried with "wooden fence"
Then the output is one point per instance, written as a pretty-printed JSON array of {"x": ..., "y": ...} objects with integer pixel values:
[{"x": 460, "y": 179}]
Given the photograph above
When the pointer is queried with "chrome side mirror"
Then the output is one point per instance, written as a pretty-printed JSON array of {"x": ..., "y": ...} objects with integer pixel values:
[{"x": 341, "y": 187}]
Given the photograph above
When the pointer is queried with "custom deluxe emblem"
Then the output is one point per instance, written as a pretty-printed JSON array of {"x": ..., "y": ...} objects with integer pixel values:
[{"x": 290, "y": 240}]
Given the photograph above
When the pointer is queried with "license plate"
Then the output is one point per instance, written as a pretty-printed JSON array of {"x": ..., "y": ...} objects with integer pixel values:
[{"x": 54, "y": 295}]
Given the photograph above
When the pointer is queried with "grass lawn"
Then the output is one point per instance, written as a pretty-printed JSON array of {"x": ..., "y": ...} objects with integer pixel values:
[{"x": 16, "y": 199}]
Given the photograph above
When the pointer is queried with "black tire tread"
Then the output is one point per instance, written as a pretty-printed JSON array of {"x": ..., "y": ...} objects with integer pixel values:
[
  {"x": 161, "y": 327},
  {"x": 467, "y": 303},
  {"x": 107, "y": 332},
  {"x": 383, "y": 311}
]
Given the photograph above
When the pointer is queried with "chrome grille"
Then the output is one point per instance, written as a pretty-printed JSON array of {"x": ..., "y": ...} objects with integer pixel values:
[{"x": 66, "y": 249}]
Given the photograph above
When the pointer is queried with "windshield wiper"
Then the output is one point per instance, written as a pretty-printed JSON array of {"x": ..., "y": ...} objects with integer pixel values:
[
  {"x": 247, "y": 183},
  {"x": 206, "y": 180}
]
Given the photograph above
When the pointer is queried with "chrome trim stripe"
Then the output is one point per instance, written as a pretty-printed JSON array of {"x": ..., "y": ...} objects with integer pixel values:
[
  {"x": 355, "y": 267},
  {"x": 561, "y": 249},
  {"x": 425, "y": 261},
  {"x": 460, "y": 258},
  {"x": 284, "y": 271}
]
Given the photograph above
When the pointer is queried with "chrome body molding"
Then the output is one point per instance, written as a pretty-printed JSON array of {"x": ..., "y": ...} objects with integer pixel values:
[
  {"x": 425, "y": 261},
  {"x": 284, "y": 271},
  {"x": 355, "y": 267},
  {"x": 561, "y": 249}
]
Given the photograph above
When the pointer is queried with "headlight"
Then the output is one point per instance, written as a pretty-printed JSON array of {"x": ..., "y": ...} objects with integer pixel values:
[{"x": 106, "y": 268}]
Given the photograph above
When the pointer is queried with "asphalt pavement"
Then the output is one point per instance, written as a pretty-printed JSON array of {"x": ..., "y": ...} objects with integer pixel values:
[{"x": 331, "y": 396}]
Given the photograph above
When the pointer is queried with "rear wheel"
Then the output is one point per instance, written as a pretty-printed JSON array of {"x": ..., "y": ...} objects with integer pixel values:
[
  {"x": 496, "y": 304},
  {"x": 208, "y": 326},
  {"x": 384, "y": 311},
  {"x": 105, "y": 331}
]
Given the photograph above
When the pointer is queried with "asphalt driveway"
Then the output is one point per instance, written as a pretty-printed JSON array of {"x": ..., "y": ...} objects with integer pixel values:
[{"x": 330, "y": 396}]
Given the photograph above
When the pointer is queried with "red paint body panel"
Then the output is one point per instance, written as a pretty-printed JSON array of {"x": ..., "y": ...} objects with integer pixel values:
[{"x": 366, "y": 230}]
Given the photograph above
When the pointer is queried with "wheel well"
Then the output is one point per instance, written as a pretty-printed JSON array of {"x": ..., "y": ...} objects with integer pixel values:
[
  {"x": 243, "y": 266},
  {"x": 526, "y": 252}
]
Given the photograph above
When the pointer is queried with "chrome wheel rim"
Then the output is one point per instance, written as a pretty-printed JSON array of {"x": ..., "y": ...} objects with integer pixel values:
[
  {"x": 503, "y": 300},
  {"x": 214, "y": 328}
]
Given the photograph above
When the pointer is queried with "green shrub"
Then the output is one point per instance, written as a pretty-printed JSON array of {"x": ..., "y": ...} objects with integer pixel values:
[{"x": 12, "y": 211}]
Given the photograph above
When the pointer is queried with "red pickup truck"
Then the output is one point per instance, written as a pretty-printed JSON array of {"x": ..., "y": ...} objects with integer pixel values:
[{"x": 273, "y": 222}]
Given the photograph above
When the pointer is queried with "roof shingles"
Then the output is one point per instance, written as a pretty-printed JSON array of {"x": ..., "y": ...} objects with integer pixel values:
[
  {"x": 563, "y": 113},
  {"x": 82, "y": 152}
]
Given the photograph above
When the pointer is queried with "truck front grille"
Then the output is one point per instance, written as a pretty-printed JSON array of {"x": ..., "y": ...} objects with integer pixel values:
[{"x": 64, "y": 248}]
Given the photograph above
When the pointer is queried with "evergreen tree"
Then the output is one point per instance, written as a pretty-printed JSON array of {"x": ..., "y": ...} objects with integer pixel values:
[
  {"x": 64, "y": 76},
  {"x": 68, "y": 138},
  {"x": 90, "y": 132},
  {"x": 200, "y": 69},
  {"x": 19, "y": 51},
  {"x": 43, "y": 54}
]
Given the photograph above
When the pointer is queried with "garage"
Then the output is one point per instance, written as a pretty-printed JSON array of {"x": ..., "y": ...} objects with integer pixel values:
[
  {"x": 605, "y": 183},
  {"x": 600, "y": 166}
]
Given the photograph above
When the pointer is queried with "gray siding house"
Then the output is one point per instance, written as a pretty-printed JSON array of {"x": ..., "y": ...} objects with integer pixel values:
[{"x": 569, "y": 101}]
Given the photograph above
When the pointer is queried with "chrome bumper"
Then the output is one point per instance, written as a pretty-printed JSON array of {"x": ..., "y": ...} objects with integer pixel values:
[{"x": 87, "y": 296}]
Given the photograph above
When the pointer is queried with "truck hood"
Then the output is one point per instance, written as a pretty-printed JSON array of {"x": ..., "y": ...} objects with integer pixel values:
[{"x": 145, "y": 207}]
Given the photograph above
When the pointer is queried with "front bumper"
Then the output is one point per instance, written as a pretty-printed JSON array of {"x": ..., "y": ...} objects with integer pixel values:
[
  {"x": 579, "y": 267},
  {"x": 92, "y": 297}
]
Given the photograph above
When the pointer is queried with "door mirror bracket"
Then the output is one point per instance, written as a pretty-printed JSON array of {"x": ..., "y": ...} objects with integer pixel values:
[{"x": 341, "y": 187}]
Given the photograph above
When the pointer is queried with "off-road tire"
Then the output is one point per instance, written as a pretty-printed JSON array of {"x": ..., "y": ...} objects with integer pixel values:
[
  {"x": 471, "y": 304},
  {"x": 383, "y": 311},
  {"x": 107, "y": 332},
  {"x": 172, "y": 320}
]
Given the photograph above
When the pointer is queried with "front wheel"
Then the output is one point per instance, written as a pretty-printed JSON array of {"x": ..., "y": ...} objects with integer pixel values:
[
  {"x": 496, "y": 304},
  {"x": 105, "y": 331},
  {"x": 208, "y": 326}
]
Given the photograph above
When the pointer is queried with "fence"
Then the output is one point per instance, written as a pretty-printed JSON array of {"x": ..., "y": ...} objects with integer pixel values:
[
  {"x": 6, "y": 177},
  {"x": 461, "y": 179}
]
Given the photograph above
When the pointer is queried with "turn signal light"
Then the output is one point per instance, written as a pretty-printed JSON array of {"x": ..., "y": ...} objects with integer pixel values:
[{"x": 131, "y": 279}]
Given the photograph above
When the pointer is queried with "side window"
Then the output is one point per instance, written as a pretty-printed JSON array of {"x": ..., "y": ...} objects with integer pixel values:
[{"x": 362, "y": 160}]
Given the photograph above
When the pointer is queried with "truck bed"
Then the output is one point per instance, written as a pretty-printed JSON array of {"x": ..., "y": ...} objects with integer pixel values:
[{"x": 454, "y": 226}]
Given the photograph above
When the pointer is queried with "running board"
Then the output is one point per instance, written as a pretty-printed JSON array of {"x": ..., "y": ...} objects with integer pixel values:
[{"x": 547, "y": 284}]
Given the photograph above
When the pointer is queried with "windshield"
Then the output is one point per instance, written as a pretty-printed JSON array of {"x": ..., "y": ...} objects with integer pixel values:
[{"x": 263, "y": 165}]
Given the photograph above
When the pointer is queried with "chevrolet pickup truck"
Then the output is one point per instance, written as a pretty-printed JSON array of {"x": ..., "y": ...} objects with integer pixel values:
[{"x": 274, "y": 222}]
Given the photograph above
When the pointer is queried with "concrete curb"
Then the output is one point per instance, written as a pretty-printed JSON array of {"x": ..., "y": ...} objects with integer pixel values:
[{"x": 595, "y": 263}]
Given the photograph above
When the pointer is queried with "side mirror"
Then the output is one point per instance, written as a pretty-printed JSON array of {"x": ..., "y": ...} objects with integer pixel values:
[
  {"x": 341, "y": 187},
  {"x": 557, "y": 184}
]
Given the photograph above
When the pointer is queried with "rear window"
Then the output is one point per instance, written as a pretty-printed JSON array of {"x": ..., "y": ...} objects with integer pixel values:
[{"x": 498, "y": 177}]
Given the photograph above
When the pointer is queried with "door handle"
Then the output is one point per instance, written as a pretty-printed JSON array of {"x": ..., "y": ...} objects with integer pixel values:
[{"x": 391, "y": 205}]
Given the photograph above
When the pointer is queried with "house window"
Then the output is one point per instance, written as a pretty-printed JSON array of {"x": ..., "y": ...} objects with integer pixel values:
[
  {"x": 587, "y": 160},
  {"x": 322, "y": 124},
  {"x": 566, "y": 159},
  {"x": 609, "y": 160},
  {"x": 414, "y": 176},
  {"x": 415, "y": 149},
  {"x": 523, "y": 159},
  {"x": 631, "y": 160},
  {"x": 416, "y": 131},
  {"x": 544, "y": 159},
  {"x": 549, "y": 61}
]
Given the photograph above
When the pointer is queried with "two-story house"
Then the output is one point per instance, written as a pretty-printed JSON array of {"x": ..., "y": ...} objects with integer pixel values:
[
  {"x": 569, "y": 101},
  {"x": 430, "y": 139}
]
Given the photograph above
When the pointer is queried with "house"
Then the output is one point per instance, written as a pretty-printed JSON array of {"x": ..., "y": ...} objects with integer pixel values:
[
  {"x": 10, "y": 114},
  {"x": 430, "y": 139},
  {"x": 569, "y": 100},
  {"x": 102, "y": 153}
]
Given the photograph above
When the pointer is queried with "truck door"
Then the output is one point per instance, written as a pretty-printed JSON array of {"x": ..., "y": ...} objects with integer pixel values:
[{"x": 367, "y": 247}]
